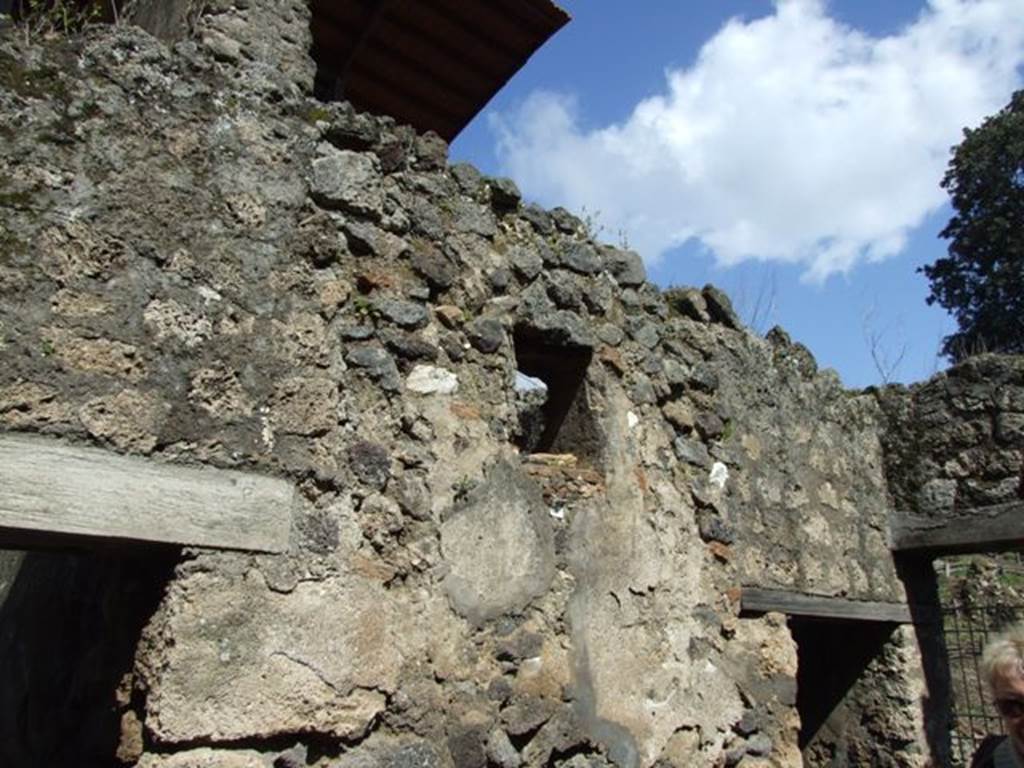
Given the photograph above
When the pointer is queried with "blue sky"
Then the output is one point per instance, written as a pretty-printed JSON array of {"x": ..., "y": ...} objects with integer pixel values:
[{"x": 789, "y": 152}]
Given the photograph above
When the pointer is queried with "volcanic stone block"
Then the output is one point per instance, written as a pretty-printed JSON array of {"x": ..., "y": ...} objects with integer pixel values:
[{"x": 346, "y": 180}]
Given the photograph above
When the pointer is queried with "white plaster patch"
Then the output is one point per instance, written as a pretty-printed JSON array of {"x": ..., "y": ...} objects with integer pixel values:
[
  {"x": 208, "y": 293},
  {"x": 267, "y": 431},
  {"x": 719, "y": 474},
  {"x": 531, "y": 666},
  {"x": 827, "y": 495},
  {"x": 431, "y": 380}
]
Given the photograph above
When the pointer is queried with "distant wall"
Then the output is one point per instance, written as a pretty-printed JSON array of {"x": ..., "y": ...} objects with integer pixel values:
[{"x": 956, "y": 442}]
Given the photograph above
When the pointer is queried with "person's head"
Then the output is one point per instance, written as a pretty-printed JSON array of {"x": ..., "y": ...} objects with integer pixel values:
[{"x": 1003, "y": 666}]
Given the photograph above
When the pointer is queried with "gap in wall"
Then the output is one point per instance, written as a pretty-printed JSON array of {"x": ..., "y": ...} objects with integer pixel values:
[{"x": 564, "y": 422}]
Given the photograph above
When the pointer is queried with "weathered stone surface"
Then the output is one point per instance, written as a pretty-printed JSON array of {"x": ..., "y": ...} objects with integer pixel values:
[
  {"x": 375, "y": 360},
  {"x": 539, "y": 219},
  {"x": 346, "y": 180},
  {"x": 692, "y": 452},
  {"x": 431, "y": 151},
  {"x": 942, "y": 457},
  {"x": 625, "y": 266},
  {"x": 407, "y": 314},
  {"x": 472, "y": 218},
  {"x": 563, "y": 290},
  {"x": 393, "y": 753},
  {"x": 505, "y": 194},
  {"x": 499, "y": 280},
  {"x": 469, "y": 179},
  {"x": 566, "y": 222},
  {"x": 600, "y": 297},
  {"x": 298, "y": 296},
  {"x": 579, "y": 257},
  {"x": 249, "y": 662},
  {"x": 689, "y": 302},
  {"x": 306, "y": 406},
  {"x": 206, "y": 758},
  {"x": 429, "y": 380},
  {"x": 486, "y": 334},
  {"x": 218, "y": 391},
  {"x": 646, "y": 334},
  {"x": 500, "y": 750},
  {"x": 610, "y": 334},
  {"x": 170, "y": 320},
  {"x": 364, "y": 238},
  {"x": 130, "y": 420},
  {"x": 527, "y": 263},
  {"x": 409, "y": 346},
  {"x": 371, "y": 463},
  {"x": 100, "y": 356},
  {"x": 498, "y": 546},
  {"x": 273, "y": 40},
  {"x": 559, "y": 327},
  {"x": 720, "y": 308},
  {"x": 710, "y": 426},
  {"x": 433, "y": 266}
]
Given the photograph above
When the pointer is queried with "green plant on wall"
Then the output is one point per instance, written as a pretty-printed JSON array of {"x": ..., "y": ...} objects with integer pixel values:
[{"x": 65, "y": 17}]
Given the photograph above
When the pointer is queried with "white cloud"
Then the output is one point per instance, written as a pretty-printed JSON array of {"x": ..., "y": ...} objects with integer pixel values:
[{"x": 792, "y": 137}]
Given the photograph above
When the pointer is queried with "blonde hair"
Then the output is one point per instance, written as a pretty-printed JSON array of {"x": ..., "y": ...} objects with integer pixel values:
[{"x": 1004, "y": 654}]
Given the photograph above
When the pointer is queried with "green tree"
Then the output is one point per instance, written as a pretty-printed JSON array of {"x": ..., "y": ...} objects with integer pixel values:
[{"x": 981, "y": 281}]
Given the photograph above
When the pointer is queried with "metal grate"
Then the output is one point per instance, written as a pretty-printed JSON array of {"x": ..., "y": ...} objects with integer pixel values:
[{"x": 967, "y": 626}]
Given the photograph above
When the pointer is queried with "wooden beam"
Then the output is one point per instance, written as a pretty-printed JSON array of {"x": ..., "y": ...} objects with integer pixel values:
[
  {"x": 995, "y": 528},
  {"x": 754, "y": 600},
  {"x": 53, "y": 493}
]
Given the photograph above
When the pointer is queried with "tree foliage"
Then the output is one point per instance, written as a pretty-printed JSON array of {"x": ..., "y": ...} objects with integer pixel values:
[{"x": 981, "y": 281}]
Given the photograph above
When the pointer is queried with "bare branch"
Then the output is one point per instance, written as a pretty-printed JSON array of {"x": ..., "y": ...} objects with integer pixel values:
[{"x": 886, "y": 359}]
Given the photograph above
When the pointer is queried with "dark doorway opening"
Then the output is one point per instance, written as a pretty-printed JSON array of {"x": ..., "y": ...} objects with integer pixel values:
[
  {"x": 833, "y": 656},
  {"x": 561, "y": 422},
  {"x": 70, "y": 624}
]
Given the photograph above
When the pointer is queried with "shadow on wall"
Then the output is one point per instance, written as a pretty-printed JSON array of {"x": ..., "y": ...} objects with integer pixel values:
[
  {"x": 69, "y": 627},
  {"x": 918, "y": 577},
  {"x": 833, "y": 656}
]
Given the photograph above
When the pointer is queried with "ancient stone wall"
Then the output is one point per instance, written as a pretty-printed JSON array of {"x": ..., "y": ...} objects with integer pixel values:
[
  {"x": 956, "y": 442},
  {"x": 201, "y": 266},
  {"x": 954, "y": 449}
]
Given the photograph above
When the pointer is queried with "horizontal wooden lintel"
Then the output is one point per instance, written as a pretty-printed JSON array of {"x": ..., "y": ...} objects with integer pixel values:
[
  {"x": 995, "y": 528},
  {"x": 55, "y": 494},
  {"x": 756, "y": 600}
]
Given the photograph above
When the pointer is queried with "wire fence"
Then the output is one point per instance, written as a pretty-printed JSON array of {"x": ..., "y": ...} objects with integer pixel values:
[{"x": 969, "y": 619}]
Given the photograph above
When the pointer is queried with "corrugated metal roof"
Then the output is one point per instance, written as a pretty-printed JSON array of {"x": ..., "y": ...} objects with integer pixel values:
[{"x": 433, "y": 64}]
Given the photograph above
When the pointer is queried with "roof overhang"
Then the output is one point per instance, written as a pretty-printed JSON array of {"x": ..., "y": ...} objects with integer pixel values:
[{"x": 433, "y": 64}]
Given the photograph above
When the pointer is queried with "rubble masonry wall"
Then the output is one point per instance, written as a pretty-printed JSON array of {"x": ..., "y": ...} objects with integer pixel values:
[{"x": 201, "y": 265}]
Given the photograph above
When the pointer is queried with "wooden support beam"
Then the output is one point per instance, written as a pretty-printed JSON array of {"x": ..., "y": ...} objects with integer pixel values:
[
  {"x": 754, "y": 600},
  {"x": 54, "y": 493},
  {"x": 996, "y": 528}
]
